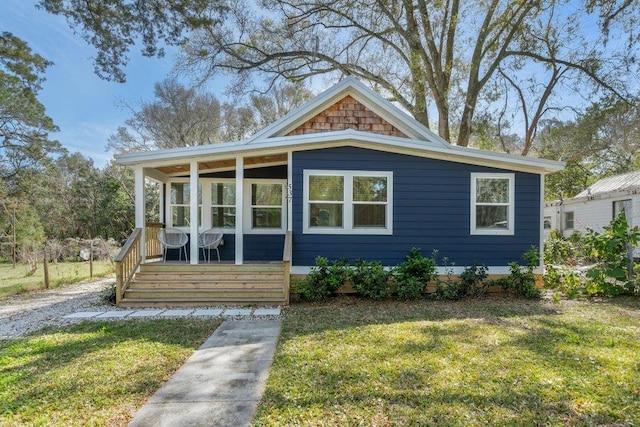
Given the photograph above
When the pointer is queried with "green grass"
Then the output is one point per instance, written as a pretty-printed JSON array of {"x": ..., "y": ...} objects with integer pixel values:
[
  {"x": 15, "y": 280},
  {"x": 94, "y": 373},
  {"x": 495, "y": 361}
]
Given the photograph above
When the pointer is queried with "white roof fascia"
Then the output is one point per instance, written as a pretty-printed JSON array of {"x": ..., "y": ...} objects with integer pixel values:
[
  {"x": 174, "y": 153},
  {"x": 363, "y": 94},
  {"x": 348, "y": 137}
]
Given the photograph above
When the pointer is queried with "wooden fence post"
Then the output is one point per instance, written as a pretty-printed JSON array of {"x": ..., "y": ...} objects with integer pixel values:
[{"x": 45, "y": 267}]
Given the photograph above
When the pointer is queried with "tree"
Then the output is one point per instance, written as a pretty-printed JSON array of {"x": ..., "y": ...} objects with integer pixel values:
[
  {"x": 180, "y": 117},
  {"x": 603, "y": 141},
  {"x": 24, "y": 125},
  {"x": 177, "y": 117},
  {"x": 442, "y": 61}
]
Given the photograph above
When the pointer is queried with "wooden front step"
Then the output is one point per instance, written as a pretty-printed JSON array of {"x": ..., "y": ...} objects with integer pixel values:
[{"x": 160, "y": 284}]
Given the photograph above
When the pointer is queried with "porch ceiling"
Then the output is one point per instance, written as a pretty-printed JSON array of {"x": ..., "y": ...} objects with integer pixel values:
[{"x": 225, "y": 164}]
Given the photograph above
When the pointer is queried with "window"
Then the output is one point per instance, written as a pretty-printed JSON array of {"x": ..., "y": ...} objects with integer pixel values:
[
  {"x": 622, "y": 206},
  {"x": 547, "y": 223},
  {"x": 492, "y": 204},
  {"x": 349, "y": 202},
  {"x": 223, "y": 204},
  {"x": 180, "y": 210},
  {"x": 568, "y": 220},
  {"x": 265, "y": 203}
]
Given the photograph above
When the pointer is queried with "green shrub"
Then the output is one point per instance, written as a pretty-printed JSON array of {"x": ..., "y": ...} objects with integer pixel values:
[
  {"x": 108, "y": 295},
  {"x": 409, "y": 288},
  {"x": 473, "y": 281},
  {"x": 613, "y": 274},
  {"x": 521, "y": 280},
  {"x": 371, "y": 280},
  {"x": 557, "y": 249},
  {"x": 324, "y": 279},
  {"x": 448, "y": 288},
  {"x": 412, "y": 275}
]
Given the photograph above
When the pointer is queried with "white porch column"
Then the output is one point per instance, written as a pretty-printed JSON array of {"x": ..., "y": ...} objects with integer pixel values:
[
  {"x": 239, "y": 212},
  {"x": 289, "y": 190},
  {"x": 139, "y": 208},
  {"x": 193, "y": 201}
]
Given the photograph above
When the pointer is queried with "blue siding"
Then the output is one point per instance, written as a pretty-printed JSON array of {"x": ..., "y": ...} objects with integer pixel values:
[
  {"x": 431, "y": 211},
  {"x": 263, "y": 247}
]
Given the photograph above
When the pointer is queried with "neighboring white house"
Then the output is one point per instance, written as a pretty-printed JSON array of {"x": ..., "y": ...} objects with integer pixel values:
[{"x": 596, "y": 206}]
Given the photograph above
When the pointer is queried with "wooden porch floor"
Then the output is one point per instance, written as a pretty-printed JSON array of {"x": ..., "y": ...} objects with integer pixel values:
[{"x": 217, "y": 283}]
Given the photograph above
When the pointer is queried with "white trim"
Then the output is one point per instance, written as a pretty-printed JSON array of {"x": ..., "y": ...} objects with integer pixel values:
[
  {"x": 289, "y": 191},
  {"x": 168, "y": 204},
  {"x": 208, "y": 207},
  {"x": 239, "y": 210},
  {"x": 347, "y": 211},
  {"x": 139, "y": 202},
  {"x": 541, "y": 242},
  {"x": 510, "y": 230},
  {"x": 247, "y": 220},
  {"x": 354, "y": 138},
  {"x": 441, "y": 271},
  {"x": 193, "y": 205},
  {"x": 349, "y": 86}
]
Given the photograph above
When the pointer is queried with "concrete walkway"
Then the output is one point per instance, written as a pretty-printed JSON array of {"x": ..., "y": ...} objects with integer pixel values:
[{"x": 221, "y": 384}]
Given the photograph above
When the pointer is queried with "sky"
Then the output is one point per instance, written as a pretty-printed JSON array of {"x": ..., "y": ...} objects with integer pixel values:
[{"x": 86, "y": 108}]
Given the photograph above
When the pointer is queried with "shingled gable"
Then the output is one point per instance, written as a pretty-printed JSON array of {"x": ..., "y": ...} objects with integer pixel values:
[{"x": 349, "y": 105}]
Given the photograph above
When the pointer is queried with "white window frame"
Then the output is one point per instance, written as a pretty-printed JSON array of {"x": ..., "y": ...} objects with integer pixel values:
[
  {"x": 169, "y": 205},
  {"x": 247, "y": 211},
  {"x": 348, "y": 203},
  {"x": 510, "y": 230},
  {"x": 208, "y": 207},
  {"x": 566, "y": 220}
]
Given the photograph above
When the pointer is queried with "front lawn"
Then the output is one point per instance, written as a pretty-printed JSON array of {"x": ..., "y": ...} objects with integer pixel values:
[
  {"x": 494, "y": 361},
  {"x": 17, "y": 280},
  {"x": 94, "y": 373}
]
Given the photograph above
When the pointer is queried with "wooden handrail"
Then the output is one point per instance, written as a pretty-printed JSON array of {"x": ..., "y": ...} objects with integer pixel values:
[
  {"x": 286, "y": 260},
  {"x": 153, "y": 248},
  {"x": 127, "y": 262}
]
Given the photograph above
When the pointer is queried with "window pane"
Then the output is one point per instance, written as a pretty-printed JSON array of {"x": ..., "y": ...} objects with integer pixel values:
[
  {"x": 492, "y": 190},
  {"x": 568, "y": 220},
  {"x": 369, "y": 189},
  {"x": 325, "y": 215},
  {"x": 180, "y": 216},
  {"x": 223, "y": 193},
  {"x": 179, "y": 193},
  {"x": 329, "y": 188},
  {"x": 492, "y": 217},
  {"x": 267, "y": 217},
  {"x": 369, "y": 216},
  {"x": 266, "y": 195},
  {"x": 223, "y": 217}
]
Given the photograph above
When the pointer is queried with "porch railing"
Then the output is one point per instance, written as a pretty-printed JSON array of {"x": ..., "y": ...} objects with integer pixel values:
[
  {"x": 286, "y": 260},
  {"x": 127, "y": 262},
  {"x": 152, "y": 244}
]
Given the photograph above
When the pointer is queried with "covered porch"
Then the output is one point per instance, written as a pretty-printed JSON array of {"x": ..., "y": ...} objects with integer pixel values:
[{"x": 246, "y": 198}]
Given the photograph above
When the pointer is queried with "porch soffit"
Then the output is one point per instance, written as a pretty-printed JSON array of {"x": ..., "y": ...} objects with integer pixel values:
[{"x": 225, "y": 164}]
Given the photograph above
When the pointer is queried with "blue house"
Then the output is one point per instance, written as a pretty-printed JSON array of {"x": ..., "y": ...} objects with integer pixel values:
[{"x": 349, "y": 175}]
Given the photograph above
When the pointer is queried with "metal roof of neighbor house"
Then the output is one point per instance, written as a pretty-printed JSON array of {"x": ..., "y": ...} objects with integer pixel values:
[{"x": 615, "y": 183}]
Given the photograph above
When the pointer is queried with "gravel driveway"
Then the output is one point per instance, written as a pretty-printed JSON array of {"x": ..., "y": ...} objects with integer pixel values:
[{"x": 28, "y": 312}]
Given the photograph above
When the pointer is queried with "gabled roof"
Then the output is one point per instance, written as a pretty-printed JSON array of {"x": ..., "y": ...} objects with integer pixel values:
[
  {"x": 408, "y": 137},
  {"x": 625, "y": 181},
  {"x": 350, "y": 86}
]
